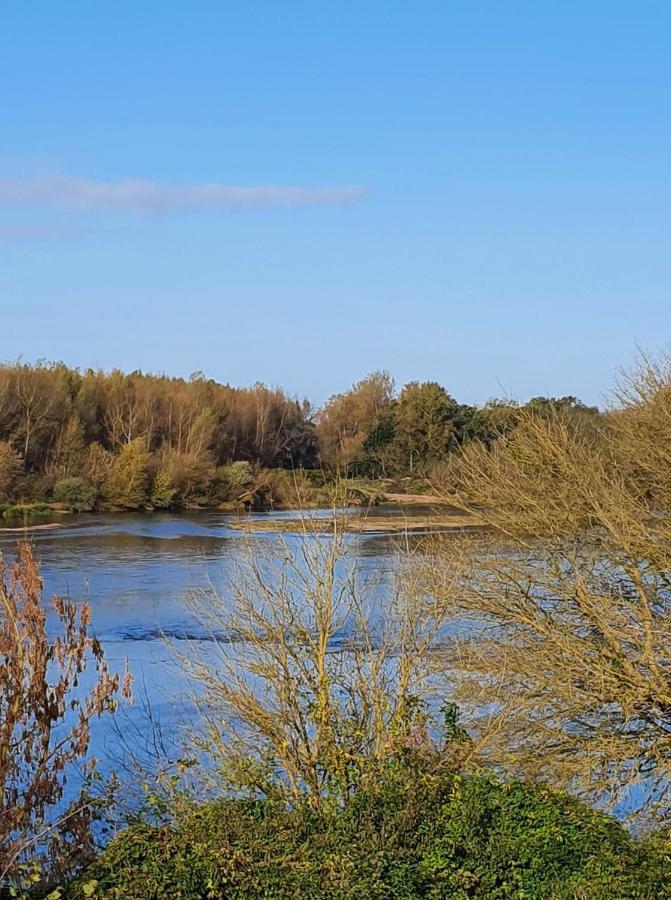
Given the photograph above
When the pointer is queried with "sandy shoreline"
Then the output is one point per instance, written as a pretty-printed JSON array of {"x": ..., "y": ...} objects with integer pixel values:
[
  {"x": 362, "y": 524},
  {"x": 43, "y": 527}
]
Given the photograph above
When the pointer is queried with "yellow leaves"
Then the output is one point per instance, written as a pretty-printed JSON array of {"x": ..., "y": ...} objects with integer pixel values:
[{"x": 574, "y": 582}]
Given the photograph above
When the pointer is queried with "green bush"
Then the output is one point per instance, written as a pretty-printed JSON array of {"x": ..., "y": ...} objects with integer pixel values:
[
  {"x": 413, "y": 835},
  {"x": 232, "y": 480},
  {"x": 163, "y": 491},
  {"x": 128, "y": 477},
  {"x": 76, "y": 494},
  {"x": 182, "y": 480},
  {"x": 25, "y": 512}
]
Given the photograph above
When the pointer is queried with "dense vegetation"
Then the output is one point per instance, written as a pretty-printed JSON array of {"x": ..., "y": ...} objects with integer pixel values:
[
  {"x": 91, "y": 439},
  {"x": 414, "y": 834}
]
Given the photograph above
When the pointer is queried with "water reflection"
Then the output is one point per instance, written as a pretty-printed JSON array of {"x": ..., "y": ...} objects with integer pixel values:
[{"x": 136, "y": 571}]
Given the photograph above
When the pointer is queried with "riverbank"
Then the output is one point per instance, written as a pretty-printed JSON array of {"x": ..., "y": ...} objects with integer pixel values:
[
  {"x": 353, "y": 493},
  {"x": 19, "y": 516},
  {"x": 356, "y": 522},
  {"x": 45, "y": 526}
]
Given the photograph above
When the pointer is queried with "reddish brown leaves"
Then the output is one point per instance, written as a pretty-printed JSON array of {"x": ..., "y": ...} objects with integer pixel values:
[{"x": 44, "y": 722}]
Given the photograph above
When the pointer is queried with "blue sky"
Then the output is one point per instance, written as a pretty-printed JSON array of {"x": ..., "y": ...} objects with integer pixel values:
[{"x": 497, "y": 214}]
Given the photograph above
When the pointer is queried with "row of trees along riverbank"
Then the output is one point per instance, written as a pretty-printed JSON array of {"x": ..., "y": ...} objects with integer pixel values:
[{"x": 114, "y": 440}]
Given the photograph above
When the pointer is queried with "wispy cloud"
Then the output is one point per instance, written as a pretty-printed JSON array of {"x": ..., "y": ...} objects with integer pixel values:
[
  {"x": 41, "y": 233},
  {"x": 148, "y": 197}
]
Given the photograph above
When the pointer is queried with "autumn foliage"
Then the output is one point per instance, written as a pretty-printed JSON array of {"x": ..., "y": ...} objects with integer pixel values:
[
  {"x": 45, "y": 724},
  {"x": 139, "y": 441},
  {"x": 136, "y": 439},
  {"x": 569, "y": 594}
]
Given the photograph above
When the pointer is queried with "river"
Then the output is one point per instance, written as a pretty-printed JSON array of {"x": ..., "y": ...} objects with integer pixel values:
[{"x": 136, "y": 571}]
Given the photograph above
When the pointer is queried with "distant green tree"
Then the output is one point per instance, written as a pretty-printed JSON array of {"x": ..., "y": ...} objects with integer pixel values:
[
  {"x": 491, "y": 421},
  {"x": 377, "y": 457},
  {"x": 182, "y": 479},
  {"x": 301, "y": 448},
  {"x": 98, "y": 465},
  {"x": 427, "y": 424},
  {"x": 128, "y": 480},
  {"x": 569, "y": 409},
  {"x": 498, "y": 417},
  {"x": 558, "y": 404},
  {"x": 76, "y": 493},
  {"x": 232, "y": 480},
  {"x": 163, "y": 490},
  {"x": 70, "y": 451},
  {"x": 10, "y": 469}
]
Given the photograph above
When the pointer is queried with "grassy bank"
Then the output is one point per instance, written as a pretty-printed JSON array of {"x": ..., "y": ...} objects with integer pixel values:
[{"x": 21, "y": 514}]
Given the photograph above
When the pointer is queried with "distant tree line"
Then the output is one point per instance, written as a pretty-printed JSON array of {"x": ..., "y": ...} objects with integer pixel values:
[
  {"x": 133, "y": 440},
  {"x": 371, "y": 430}
]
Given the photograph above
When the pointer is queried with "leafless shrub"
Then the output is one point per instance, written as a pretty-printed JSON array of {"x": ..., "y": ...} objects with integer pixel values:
[
  {"x": 310, "y": 689},
  {"x": 574, "y": 584}
]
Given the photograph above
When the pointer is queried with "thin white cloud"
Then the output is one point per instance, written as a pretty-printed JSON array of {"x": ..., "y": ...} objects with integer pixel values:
[
  {"x": 149, "y": 197},
  {"x": 30, "y": 233}
]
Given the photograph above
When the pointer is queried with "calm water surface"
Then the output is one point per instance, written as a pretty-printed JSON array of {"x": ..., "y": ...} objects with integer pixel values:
[{"x": 136, "y": 571}]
